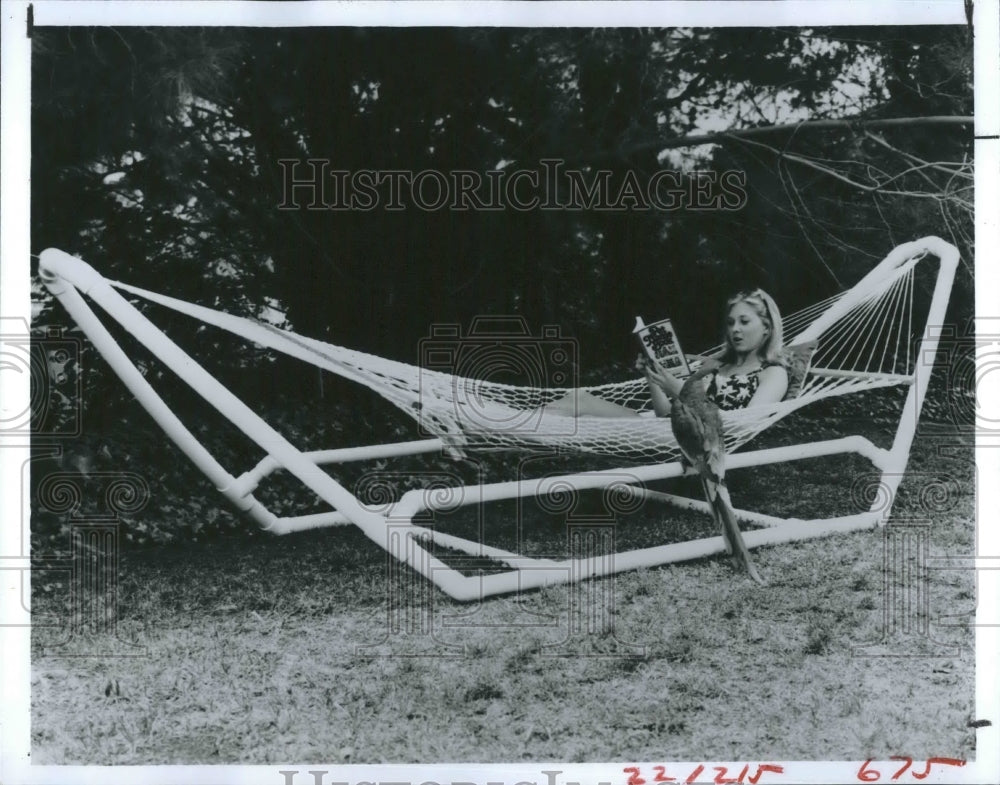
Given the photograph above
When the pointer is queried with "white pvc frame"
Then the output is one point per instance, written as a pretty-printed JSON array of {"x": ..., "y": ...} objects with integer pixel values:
[{"x": 69, "y": 278}]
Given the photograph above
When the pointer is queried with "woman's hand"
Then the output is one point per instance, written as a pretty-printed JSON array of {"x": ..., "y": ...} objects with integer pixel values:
[
  {"x": 659, "y": 376},
  {"x": 656, "y": 373},
  {"x": 660, "y": 382}
]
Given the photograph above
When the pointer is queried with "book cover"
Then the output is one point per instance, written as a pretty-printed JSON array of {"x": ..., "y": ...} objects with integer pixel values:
[{"x": 659, "y": 342}]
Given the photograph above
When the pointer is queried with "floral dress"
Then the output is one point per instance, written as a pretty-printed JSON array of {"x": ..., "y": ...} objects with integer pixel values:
[{"x": 734, "y": 391}]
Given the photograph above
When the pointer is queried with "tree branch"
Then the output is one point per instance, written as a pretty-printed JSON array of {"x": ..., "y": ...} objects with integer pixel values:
[
  {"x": 876, "y": 188},
  {"x": 720, "y": 137}
]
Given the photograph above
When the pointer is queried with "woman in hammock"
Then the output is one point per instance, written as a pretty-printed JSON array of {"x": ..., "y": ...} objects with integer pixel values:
[{"x": 750, "y": 371}]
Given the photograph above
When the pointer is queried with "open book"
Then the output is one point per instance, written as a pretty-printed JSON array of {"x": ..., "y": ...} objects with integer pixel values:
[{"x": 660, "y": 343}]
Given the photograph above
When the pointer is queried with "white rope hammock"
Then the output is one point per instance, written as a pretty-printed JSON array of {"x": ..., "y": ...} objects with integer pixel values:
[{"x": 863, "y": 346}]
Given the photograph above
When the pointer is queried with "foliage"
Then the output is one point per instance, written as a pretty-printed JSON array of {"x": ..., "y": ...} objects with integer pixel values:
[{"x": 184, "y": 172}]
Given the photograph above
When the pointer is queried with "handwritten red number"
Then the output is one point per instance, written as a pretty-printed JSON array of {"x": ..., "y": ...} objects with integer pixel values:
[
  {"x": 941, "y": 761},
  {"x": 763, "y": 768},
  {"x": 868, "y": 775},
  {"x": 635, "y": 779},
  {"x": 903, "y": 768},
  {"x": 661, "y": 775},
  {"x": 695, "y": 774},
  {"x": 721, "y": 778}
]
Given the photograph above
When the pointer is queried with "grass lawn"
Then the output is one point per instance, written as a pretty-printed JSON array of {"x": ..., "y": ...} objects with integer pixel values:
[{"x": 263, "y": 650}]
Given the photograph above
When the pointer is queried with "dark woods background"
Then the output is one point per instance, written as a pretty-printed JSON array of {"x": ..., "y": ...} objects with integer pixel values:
[{"x": 155, "y": 157}]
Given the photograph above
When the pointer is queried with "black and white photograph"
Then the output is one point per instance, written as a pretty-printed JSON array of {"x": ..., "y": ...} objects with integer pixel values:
[{"x": 539, "y": 393}]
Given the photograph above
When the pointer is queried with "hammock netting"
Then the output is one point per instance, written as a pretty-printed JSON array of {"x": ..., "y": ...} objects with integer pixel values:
[{"x": 865, "y": 341}]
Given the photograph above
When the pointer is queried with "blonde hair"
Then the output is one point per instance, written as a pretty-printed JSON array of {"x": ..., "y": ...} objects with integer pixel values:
[{"x": 767, "y": 309}]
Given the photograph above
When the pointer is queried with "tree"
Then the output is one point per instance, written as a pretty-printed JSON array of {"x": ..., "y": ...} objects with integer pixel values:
[{"x": 183, "y": 140}]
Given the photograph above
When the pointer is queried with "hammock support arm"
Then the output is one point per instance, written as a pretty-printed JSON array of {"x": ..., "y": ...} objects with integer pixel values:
[
  {"x": 67, "y": 287},
  {"x": 66, "y": 277}
]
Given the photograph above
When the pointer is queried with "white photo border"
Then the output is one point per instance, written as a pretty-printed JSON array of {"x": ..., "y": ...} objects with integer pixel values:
[{"x": 15, "y": 765}]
